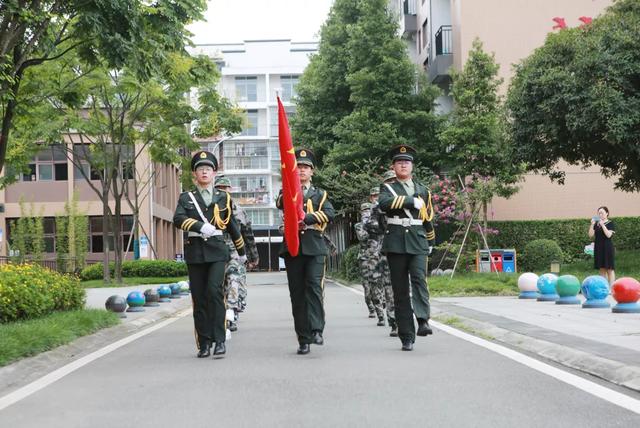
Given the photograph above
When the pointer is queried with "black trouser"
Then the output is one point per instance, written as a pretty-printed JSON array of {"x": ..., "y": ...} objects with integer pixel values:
[
  {"x": 306, "y": 288},
  {"x": 403, "y": 266},
  {"x": 207, "y": 292}
]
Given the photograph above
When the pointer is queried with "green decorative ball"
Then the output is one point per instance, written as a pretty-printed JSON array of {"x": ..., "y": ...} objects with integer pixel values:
[{"x": 567, "y": 285}]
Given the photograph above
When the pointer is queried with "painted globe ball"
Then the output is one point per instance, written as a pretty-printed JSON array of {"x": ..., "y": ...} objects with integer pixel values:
[
  {"x": 528, "y": 282},
  {"x": 151, "y": 295},
  {"x": 116, "y": 303},
  {"x": 626, "y": 290},
  {"x": 164, "y": 291},
  {"x": 184, "y": 286},
  {"x": 135, "y": 298},
  {"x": 175, "y": 289},
  {"x": 567, "y": 285},
  {"x": 547, "y": 283},
  {"x": 595, "y": 287}
]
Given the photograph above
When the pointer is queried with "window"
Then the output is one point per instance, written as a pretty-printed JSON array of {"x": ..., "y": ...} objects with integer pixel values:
[
  {"x": 48, "y": 165},
  {"x": 273, "y": 114},
  {"x": 289, "y": 84},
  {"x": 49, "y": 227},
  {"x": 246, "y": 88},
  {"x": 82, "y": 154},
  {"x": 259, "y": 216},
  {"x": 425, "y": 34},
  {"x": 97, "y": 236},
  {"x": 246, "y": 155},
  {"x": 252, "y": 124}
]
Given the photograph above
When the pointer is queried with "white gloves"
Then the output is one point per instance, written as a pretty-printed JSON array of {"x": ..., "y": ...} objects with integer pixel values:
[
  {"x": 430, "y": 250},
  {"x": 207, "y": 230},
  {"x": 418, "y": 203},
  {"x": 243, "y": 259}
]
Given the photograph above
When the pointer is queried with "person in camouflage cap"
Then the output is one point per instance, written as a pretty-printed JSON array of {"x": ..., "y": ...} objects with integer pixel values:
[
  {"x": 368, "y": 255},
  {"x": 374, "y": 226},
  {"x": 236, "y": 272}
]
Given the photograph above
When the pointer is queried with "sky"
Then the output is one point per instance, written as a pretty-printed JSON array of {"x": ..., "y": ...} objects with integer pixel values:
[{"x": 230, "y": 21}]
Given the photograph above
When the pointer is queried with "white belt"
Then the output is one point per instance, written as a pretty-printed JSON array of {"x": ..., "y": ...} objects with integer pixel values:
[
  {"x": 199, "y": 235},
  {"x": 406, "y": 222}
]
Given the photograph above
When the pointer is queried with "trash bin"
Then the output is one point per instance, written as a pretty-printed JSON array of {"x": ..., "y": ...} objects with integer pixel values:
[
  {"x": 496, "y": 262},
  {"x": 509, "y": 261},
  {"x": 483, "y": 261}
]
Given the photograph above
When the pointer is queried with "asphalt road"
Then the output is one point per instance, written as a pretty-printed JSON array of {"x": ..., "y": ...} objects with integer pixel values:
[{"x": 358, "y": 378}]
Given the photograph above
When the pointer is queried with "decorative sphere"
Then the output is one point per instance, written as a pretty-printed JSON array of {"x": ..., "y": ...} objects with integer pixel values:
[
  {"x": 568, "y": 285},
  {"x": 626, "y": 290},
  {"x": 135, "y": 298},
  {"x": 184, "y": 286},
  {"x": 528, "y": 282},
  {"x": 595, "y": 287},
  {"x": 547, "y": 283},
  {"x": 116, "y": 303},
  {"x": 151, "y": 295},
  {"x": 164, "y": 291},
  {"x": 175, "y": 289}
]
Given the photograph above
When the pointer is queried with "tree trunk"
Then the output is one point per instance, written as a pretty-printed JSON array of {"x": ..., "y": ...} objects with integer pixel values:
[{"x": 106, "y": 276}]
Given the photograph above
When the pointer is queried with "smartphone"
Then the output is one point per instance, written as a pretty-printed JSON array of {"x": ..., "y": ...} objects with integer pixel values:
[{"x": 595, "y": 218}]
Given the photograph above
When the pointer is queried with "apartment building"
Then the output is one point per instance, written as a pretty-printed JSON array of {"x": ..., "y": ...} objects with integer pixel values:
[
  {"x": 53, "y": 179},
  {"x": 253, "y": 73},
  {"x": 439, "y": 35}
]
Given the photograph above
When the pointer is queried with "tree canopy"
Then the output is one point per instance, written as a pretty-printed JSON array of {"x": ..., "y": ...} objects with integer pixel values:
[{"x": 577, "y": 98}]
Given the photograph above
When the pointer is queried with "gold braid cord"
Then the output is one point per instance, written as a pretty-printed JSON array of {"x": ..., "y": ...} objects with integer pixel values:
[
  {"x": 426, "y": 212},
  {"x": 217, "y": 218},
  {"x": 322, "y": 218}
]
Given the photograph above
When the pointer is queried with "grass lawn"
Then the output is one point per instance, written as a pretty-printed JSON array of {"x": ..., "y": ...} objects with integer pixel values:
[
  {"x": 97, "y": 283},
  {"x": 25, "y": 338}
]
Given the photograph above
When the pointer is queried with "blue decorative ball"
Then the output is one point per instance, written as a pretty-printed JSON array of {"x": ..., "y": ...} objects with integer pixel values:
[
  {"x": 175, "y": 289},
  {"x": 164, "y": 291},
  {"x": 547, "y": 283},
  {"x": 595, "y": 287},
  {"x": 136, "y": 298}
]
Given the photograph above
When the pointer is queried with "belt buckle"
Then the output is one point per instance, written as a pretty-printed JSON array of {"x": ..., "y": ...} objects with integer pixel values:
[{"x": 406, "y": 222}]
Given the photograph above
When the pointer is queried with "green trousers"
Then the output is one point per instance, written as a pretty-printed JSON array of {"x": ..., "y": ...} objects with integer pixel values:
[
  {"x": 305, "y": 275},
  {"x": 409, "y": 270},
  {"x": 206, "y": 281}
]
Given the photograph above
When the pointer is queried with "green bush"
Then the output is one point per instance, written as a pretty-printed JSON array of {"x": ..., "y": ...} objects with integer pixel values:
[
  {"x": 350, "y": 268},
  {"x": 30, "y": 291},
  {"x": 138, "y": 268},
  {"x": 444, "y": 257},
  {"x": 538, "y": 255},
  {"x": 570, "y": 234}
]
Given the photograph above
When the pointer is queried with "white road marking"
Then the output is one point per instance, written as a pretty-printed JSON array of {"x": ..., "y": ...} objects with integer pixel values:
[
  {"x": 585, "y": 385},
  {"x": 63, "y": 371}
]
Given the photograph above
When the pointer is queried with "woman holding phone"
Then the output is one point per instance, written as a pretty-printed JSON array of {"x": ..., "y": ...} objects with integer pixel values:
[{"x": 602, "y": 230}]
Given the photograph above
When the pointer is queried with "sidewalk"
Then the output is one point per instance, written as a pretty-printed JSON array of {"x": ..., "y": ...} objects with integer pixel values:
[{"x": 594, "y": 341}]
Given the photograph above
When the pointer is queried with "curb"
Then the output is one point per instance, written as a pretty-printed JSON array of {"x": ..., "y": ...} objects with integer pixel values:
[
  {"x": 603, "y": 368},
  {"x": 26, "y": 370}
]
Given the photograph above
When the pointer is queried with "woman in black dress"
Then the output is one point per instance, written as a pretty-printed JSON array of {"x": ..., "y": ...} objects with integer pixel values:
[{"x": 602, "y": 230}]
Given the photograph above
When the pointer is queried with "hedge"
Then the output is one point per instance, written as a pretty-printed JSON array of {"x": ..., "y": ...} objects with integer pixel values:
[
  {"x": 539, "y": 253},
  {"x": 138, "y": 268},
  {"x": 31, "y": 291},
  {"x": 571, "y": 235}
]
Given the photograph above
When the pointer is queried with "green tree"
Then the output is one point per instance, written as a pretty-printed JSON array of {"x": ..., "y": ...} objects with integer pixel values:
[
  {"x": 577, "y": 98},
  {"x": 477, "y": 145},
  {"x": 361, "y": 95},
  {"x": 113, "y": 33}
]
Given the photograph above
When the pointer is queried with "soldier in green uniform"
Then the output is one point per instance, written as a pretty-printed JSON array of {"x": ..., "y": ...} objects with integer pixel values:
[
  {"x": 305, "y": 272},
  {"x": 409, "y": 239},
  {"x": 205, "y": 214}
]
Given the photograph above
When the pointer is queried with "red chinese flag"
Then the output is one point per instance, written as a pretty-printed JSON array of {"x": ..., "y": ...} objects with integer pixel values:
[{"x": 291, "y": 193}]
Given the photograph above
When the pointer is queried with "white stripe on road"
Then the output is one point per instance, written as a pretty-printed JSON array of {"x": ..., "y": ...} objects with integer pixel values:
[
  {"x": 58, "y": 374},
  {"x": 587, "y": 386}
]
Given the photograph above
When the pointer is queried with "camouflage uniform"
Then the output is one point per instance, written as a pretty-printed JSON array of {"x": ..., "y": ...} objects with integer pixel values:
[
  {"x": 375, "y": 226},
  {"x": 368, "y": 256}
]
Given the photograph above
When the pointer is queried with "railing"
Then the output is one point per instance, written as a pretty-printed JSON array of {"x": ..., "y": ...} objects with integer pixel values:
[{"x": 443, "y": 40}]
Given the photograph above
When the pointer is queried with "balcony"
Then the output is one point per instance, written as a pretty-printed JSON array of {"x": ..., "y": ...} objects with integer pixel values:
[
  {"x": 443, "y": 58},
  {"x": 410, "y": 18}
]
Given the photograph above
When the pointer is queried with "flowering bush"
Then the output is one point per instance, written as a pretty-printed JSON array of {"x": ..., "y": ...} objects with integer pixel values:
[
  {"x": 30, "y": 291},
  {"x": 445, "y": 199}
]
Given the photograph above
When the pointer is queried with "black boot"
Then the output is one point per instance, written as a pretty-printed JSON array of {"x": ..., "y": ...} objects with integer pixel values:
[
  {"x": 423, "y": 328},
  {"x": 205, "y": 350},
  {"x": 303, "y": 349},
  {"x": 407, "y": 345},
  {"x": 219, "y": 350},
  {"x": 317, "y": 338}
]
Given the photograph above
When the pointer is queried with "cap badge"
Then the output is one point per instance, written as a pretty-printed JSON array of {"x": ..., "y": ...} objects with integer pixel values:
[
  {"x": 403, "y": 149},
  {"x": 203, "y": 155},
  {"x": 303, "y": 154}
]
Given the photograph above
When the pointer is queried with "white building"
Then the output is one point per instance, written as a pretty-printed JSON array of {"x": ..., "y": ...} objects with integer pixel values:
[{"x": 253, "y": 72}]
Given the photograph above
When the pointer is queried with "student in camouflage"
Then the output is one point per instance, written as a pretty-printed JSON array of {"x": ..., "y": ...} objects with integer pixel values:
[
  {"x": 236, "y": 272},
  {"x": 368, "y": 256},
  {"x": 374, "y": 225}
]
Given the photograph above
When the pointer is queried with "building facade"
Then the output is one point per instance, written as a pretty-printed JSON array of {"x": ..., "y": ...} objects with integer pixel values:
[{"x": 439, "y": 36}]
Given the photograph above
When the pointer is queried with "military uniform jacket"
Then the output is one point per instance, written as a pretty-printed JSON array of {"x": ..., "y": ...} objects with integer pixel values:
[
  {"x": 219, "y": 214},
  {"x": 246, "y": 231},
  {"x": 416, "y": 233},
  {"x": 319, "y": 213}
]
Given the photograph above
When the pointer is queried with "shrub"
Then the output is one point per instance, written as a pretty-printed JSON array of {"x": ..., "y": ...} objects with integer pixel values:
[
  {"x": 138, "y": 268},
  {"x": 350, "y": 264},
  {"x": 539, "y": 253},
  {"x": 444, "y": 257},
  {"x": 30, "y": 291}
]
